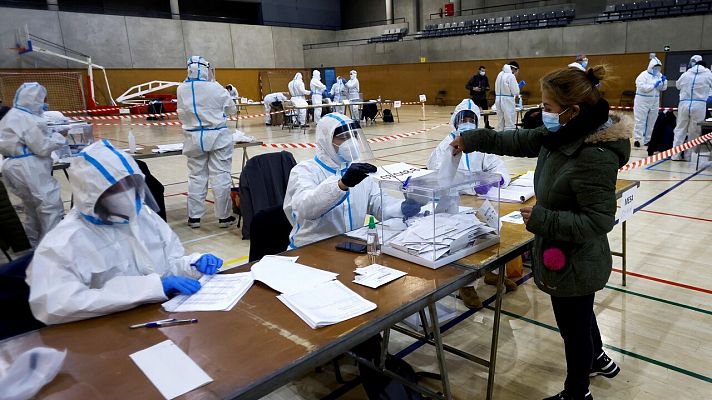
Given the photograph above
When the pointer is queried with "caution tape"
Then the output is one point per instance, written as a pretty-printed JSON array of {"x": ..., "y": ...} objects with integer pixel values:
[
  {"x": 631, "y": 108},
  {"x": 667, "y": 153},
  {"x": 171, "y": 123},
  {"x": 379, "y": 139}
]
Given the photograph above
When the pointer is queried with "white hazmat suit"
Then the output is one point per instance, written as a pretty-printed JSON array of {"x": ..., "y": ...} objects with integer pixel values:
[
  {"x": 315, "y": 204},
  {"x": 297, "y": 91},
  {"x": 317, "y": 88},
  {"x": 89, "y": 267},
  {"x": 470, "y": 162},
  {"x": 27, "y": 143},
  {"x": 203, "y": 108},
  {"x": 648, "y": 86},
  {"x": 353, "y": 89},
  {"x": 268, "y": 100},
  {"x": 338, "y": 91},
  {"x": 695, "y": 85},
  {"x": 506, "y": 89}
]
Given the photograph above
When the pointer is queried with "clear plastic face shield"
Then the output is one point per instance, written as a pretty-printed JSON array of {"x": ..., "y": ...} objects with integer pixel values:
[
  {"x": 465, "y": 120},
  {"x": 351, "y": 144},
  {"x": 123, "y": 201},
  {"x": 201, "y": 64}
]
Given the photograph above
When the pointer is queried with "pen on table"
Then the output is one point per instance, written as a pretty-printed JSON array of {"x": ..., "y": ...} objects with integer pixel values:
[{"x": 165, "y": 322}]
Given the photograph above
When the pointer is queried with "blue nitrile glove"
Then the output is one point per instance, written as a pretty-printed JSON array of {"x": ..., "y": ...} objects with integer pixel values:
[
  {"x": 483, "y": 189},
  {"x": 356, "y": 173},
  {"x": 181, "y": 284},
  {"x": 410, "y": 208},
  {"x": 208, "y": 264},
  {"x": 709, "y": 99},
  {"x": 658, "y": 83},
  {"x": 521, "y": 84},
  {"x": 663, "y": 78}
]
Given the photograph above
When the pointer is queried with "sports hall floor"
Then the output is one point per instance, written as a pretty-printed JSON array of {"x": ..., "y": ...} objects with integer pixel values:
[{"x": 658, "y": 328}]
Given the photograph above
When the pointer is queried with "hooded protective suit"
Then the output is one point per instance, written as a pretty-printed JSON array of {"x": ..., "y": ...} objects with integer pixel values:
[
  {"x": 234, "y": 95},
  {"x": 353, "y": 89},
  {"x": 472, "y": 162},
  {"x": 317, "y": 88},
  {"x": 268, "y": 100},
  {"x": 505, "y": 90},
  {"x": 338, "y": 91},
  {"x": 314, "y": 203},
  {"x": 297, "y": 91},
  {"x": 695, "y": 86},
  {"x": 203, "y": 107},
  {"x": 26, "y": 142},
  {"x": 90, "y": 267},
  {"x": 648, "y": 86}
]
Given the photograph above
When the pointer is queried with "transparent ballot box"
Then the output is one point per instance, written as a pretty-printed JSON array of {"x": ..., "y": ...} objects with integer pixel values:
[
  {"x": 450, "y": 223},
  {"x": 80, "y": 134}
]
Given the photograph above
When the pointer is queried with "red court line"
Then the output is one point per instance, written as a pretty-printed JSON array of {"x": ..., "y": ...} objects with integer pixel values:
[
  {"x": 665, "y": 281},
  {"x": 676, "y": 215}
]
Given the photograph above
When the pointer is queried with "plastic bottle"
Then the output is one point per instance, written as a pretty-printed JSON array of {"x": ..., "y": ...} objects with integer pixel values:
[
  {"x": 521, "y": 104},
  {"x": 373, "y": 245},
  {"x": 132, "y": 142}
]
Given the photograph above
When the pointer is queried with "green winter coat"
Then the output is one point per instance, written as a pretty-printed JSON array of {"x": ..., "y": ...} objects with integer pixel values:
[{"x": 575, "y": 207}]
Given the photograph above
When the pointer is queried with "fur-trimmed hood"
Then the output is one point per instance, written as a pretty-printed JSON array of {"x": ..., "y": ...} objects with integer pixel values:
[{"x": 614, "y": 135}]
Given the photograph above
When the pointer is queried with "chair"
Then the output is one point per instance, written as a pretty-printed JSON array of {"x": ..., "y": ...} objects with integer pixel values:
[
  {"x": 440, "y": 98},
  {"x": 16, "y": 317},
  {"x": 269, "y": 233},
  {"x": 627, "y": 98},
  {"x": 263, "y": 184}
]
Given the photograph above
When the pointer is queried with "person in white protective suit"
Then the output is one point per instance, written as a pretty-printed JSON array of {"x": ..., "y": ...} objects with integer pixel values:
[
  {"x": 331, "y": 193},
  {"x": 203, "y": 108},
  {"x": 648, "y": 86},
  {"x": 695, "y": 86},
  {"x": 297, "y": 91},
  {"x": 232, "y": 90},
  {"x": 581, "y": 62},
  {"x": 317, "y": 88},
  {"x": 268, "y": 100},
  {"x": 338, "y": 91},
  {"x": 506, "y": 89},
  {"x": 354, "y": 94},
  {"x": 27, "y": 143},
  {"x": 465, "y": 118},
  {"x": 112, "y": 252}
]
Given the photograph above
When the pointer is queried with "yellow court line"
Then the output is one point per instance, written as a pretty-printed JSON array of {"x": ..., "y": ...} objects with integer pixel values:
[{"x": 234, "y": 260}]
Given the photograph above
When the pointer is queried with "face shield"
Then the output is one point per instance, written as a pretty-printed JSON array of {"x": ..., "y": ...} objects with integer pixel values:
[
  {"x": 465, "y": 120},
  {"x": 351, "y": 144},
  {"x": 122, "y": 202}
]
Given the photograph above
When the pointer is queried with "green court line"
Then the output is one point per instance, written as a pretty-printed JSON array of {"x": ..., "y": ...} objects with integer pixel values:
[
  {"x": 672, "y": 303},
  {"x": 616, "y": 349}
]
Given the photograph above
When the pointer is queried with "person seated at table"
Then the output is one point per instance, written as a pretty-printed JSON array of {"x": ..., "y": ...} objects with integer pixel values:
[
  {"x": 112, "y": 252},
  {"x": 466, "y": 117},
  {"x": 331, "y": 193}
]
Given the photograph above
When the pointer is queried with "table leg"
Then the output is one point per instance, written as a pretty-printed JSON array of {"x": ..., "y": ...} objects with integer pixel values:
[
  {"x": 397, "y": 115},
  {"x": 245, "y": 157},
  {"x": 623, "y": 252},
  {"x": 495, "y": 331},
  {"x": 71, "y": 196},
  {"x": 424, "y": 323},
  {"x": 439, "y": 350},
  {"x": 384, "y": 348}
]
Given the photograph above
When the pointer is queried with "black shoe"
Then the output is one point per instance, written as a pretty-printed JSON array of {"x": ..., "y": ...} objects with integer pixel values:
[
  {"x": 646, "y": 144},
  {"x": 604, "y": 366},
  {"x": 194, "y": 222},
  {"x": 489, "y": 127},
  {"x": 565, "y": 396},
  {"x": 636, "y": 144},
  {"x": 226, "y": 222}
]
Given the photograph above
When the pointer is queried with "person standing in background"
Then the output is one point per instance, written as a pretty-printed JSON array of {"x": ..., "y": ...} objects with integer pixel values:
[
  {"x": 338, "y": 90},
  {"x": 648, "y": 86},
  {"x": 478, "y": 86},
  {"x": 316, "y": 88},
  {"x": 353, "y": 89},
  {"x": 506, "y": 90}
]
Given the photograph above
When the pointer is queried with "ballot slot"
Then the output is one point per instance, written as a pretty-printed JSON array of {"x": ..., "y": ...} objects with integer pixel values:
[{"x": 449, "y": 225}]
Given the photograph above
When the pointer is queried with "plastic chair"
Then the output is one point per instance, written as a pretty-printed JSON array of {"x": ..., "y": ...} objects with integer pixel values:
[
  {"x": 440, "y": 98},
  {"x": 16, "y": 317}
]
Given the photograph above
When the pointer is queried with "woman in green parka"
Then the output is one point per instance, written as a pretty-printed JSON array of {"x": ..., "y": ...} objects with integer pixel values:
[{"x": 580, "y": 149}]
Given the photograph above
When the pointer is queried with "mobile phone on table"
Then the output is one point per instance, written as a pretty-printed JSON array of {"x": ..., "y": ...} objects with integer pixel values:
[{"x": 352, "y": 247}]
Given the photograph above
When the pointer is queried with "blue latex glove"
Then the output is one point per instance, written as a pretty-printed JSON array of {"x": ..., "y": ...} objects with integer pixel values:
[
  {"x": 663, "y": 78},
  {"x": 181, "y": 284},
  {"x": 410, "y": 208},
  {"x": 483, "y": 189},
  {"x": 208, "y": 264},
  {"x": 658, "y": 83},
  {"x": 521, "y": 84},
  {"x": 709, "y": 99}
]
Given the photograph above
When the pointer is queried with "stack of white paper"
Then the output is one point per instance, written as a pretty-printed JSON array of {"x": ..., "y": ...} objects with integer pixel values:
[
  {"x": 326, "y": 304},
  {"x": 518, "y": 191},
  {"x": 217, "y": 293},
  {"x": 386, "y": 230},
  {"x": 289, "y": 277},
  {"x": 376, "y": 275},
  {"x": 165, "y": 148}
]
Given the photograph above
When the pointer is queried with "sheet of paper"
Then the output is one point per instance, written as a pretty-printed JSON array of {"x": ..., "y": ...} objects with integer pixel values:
[
  {"x": 217, "y": 293},
  {"x": 376, "y": 275},
  {"x": 399, "y": 172},
  {"x": 512, "y": 194},
  {"x": 170, "y": 370},
  {"x": 515, "y": 217},
  {"x": 448, "y": 168},
  {"x": 627, "y": 204},
  {"x": 282, "y": 258},
  {"x": 289, "y": 277},
  {"x": 489, "y": 214}
]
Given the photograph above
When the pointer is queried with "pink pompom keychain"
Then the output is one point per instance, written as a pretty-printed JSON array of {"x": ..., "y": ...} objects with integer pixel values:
[{"x": 554, "y": 259}]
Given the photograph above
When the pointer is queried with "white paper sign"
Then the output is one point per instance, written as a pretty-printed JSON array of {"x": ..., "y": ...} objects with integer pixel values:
[
  {"x": 124, "y": 111},
  {"x": 345, "y": 102},
  {"x": 627, "y": 204},
  {"x": 399, "y": 172},
  {"x": 422, "y": 98},
  {"x": 397, "y": 104},
  {"x": 489, "y": 214}
]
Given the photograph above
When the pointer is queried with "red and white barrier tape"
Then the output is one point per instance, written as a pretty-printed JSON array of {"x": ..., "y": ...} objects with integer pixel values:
[
  {"x": 379, "y": 139},
  {"x": 667, "y": 153},
  {"x": 165, "y": 123},
  {"x": 631, "y": 108}
]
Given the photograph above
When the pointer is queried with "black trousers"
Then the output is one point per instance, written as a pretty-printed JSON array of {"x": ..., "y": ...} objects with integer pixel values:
[
  {"x": 582, "y": 339},
  {"x": 482, "y": 104}
]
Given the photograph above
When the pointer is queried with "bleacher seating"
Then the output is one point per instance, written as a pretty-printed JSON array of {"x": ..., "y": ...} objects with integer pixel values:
[
  {"x": 653, "y": 9},
  {"x": 514, "y": 22},
  {"x": 390, "y": 35}
]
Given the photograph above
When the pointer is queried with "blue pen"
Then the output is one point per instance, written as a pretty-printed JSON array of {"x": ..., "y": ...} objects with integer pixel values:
[
  {"x": 165, "y": 322},
  {"x": 407, "y": 180}
]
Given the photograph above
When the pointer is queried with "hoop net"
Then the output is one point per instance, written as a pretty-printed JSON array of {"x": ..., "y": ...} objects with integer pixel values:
[{"x": 64, "y": 89}]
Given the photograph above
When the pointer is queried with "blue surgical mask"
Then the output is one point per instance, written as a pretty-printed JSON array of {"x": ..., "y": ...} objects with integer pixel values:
[
  {"x": 466, "y": 126},
  {"x": 45, "y": 107},
  {"x": 656, "y": 71},
  {"x": 584, "y": 64},
  {"x": 551, "y": 120}
]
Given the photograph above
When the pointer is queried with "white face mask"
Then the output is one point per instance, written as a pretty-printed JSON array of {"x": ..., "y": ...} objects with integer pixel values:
[
  {"x": 349, "y": 151},
  {"x": 121, "y": 204},
  {"x": 482, "y": 73}
]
